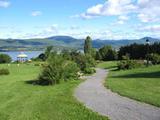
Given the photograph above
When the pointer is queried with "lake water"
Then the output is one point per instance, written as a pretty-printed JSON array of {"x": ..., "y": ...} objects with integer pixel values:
[{"x": 30, "y": 54}]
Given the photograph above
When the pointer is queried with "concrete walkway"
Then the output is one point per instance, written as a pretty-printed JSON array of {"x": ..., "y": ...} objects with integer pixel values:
[{"x": 96, "y": 97}]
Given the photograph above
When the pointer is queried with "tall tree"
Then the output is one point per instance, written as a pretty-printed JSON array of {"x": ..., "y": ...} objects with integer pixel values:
[
  {"x": 48, "y": 51},
  {"x": 88, "y": 45}
]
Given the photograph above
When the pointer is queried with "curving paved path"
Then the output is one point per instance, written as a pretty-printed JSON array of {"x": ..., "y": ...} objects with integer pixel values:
[{"x": 96, "y": 97}]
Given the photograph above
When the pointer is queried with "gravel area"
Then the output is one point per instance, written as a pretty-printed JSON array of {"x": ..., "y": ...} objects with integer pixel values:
[{"x": 96, "y": 97}]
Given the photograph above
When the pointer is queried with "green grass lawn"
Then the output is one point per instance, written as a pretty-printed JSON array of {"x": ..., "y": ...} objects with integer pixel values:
[
  {"x": 142, "y": 84},
  {"x": 20, "y": 100},
  {"x": 107, "y": 65}
]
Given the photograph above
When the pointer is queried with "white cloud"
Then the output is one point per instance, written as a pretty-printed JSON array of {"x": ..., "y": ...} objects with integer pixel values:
[
  {"x": 149, "y": 10},
  {"x": 110, "y": 8},
  {"x": 44, "y": 31},
  {"x": 145, "y": 10},
  {"x": 95, "y": 10},
  {"x": 144, "y": 17},
  {"x": 4, "y": 4},
  {"x": 150, "y": 28},
  {"x": 36, "y": 32},
  {"x": 142, "y": 3},
  {"x": 122, "y": 19},
  {"x": 36, "y": 13},
  {"x": 120, "y": 22},
  {"x": 83, "y": 16},
  {"x": 52, "y": 28},
  {"x": 74, "y": 27}
]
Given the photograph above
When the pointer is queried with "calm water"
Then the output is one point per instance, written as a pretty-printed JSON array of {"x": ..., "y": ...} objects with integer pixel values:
[{"x": 30, "y": 54}]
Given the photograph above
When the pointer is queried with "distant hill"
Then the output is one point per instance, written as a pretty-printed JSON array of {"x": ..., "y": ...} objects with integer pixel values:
[
  {"x": 60, "y": 42},
  {"x": 65, "y": 39},
  {"x": 118, "y": 43}
]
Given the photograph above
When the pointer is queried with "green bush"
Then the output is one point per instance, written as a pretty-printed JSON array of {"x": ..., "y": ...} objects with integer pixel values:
[
  {"x": 70, "y": 70},
  {"x": 106, "y": 53},
  {"x": 90, "y": 60},
  {"x": 128, "y": 64},
  {"x": 154, "y": 58},
  {"x": 84, "y": 61},
  {"x": 89, "y": 70},
  {"x": 4, "y": 72},
  {"x": 41, "y": 57},
  {"x": 126, "y": 57},
  {"x": 58, "y": 69},
  {"x": 4, "y": 58},
  {"x": 52, "y": 72}
]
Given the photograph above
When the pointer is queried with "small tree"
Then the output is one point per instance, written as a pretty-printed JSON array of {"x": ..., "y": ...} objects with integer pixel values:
[
  {"x": 5, "y": 58},
  {"x": 106, "y": 53}
]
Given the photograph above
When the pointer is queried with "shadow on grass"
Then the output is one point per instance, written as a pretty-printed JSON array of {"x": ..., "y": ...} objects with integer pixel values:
[
  {"x": 140, "y": 75},
  {"x": 37, "y": 82}
]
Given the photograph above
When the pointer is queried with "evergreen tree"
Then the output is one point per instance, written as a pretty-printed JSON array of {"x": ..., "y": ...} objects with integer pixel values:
[{"x": 88, "y": 45}]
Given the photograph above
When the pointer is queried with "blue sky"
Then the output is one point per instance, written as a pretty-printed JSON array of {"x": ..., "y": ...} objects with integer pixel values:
[{"x": 103, "y": 19}]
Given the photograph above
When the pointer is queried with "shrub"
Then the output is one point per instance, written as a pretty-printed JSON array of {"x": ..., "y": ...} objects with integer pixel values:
[
  {"x": 154, "y": 58},
  {"x": 84, "y": 62},
  {"x": 4, "y": 72},
  {"x": 58, "y": 69},
  {"x": 42, "y": 57},
  {"x": 70, "y": 70},
  {"x": 5, "y": 58},
  {"x": 89, "y": 70},
  {"x": 128, "y": 64},
  {"x": 52, "y": 73},
  {"x": 90, "y": 60},
  {"x": 126, "y": 57}
]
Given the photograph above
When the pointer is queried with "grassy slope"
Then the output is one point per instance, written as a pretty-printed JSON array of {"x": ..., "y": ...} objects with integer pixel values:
[
  {"x": 22, "y": 101},
  {"x": 142, "y": 84}
]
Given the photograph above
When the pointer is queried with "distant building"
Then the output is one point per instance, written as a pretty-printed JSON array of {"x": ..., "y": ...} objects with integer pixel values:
[{"x": 22, "y": 57}]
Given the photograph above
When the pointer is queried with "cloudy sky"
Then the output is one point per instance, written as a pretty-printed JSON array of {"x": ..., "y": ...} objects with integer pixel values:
[{"x": 104, "y": 19}]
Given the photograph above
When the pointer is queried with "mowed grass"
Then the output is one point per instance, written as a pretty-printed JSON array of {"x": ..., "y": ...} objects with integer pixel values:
[
  {"x": 142, "y": 84},
  {"x": 108, "y": 65},
  {"x": 20, "y": 100}
]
